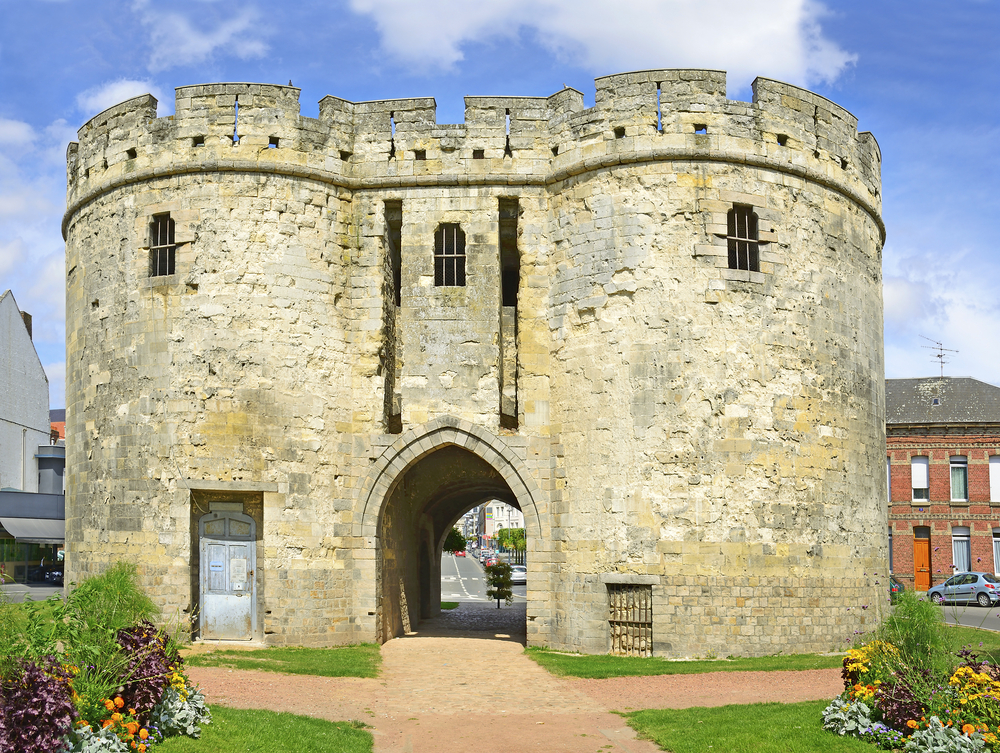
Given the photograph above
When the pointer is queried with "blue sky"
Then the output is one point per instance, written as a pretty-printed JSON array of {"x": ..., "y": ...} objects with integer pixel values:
[{"x": 923, "y": 76}]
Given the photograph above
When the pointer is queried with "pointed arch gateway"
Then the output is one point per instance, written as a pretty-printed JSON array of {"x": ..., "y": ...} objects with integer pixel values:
[{"x": 414, "y": 492}]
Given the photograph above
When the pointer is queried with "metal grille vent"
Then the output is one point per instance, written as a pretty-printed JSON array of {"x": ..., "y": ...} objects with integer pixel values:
[{"x": 631, "y": 619}]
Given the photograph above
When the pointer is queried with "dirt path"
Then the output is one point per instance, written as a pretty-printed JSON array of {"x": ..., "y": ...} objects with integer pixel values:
[{"x": 447, "y": 689}]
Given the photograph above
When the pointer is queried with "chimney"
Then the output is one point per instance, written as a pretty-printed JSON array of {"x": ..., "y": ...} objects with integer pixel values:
[{"x": 27, "y": 322}]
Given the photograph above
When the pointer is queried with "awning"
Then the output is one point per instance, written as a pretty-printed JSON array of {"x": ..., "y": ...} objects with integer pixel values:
[{"x": 36, "y": 530}]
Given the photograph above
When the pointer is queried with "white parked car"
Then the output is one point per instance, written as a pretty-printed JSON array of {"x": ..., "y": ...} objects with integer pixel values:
[{"x": 518, "y": 575}]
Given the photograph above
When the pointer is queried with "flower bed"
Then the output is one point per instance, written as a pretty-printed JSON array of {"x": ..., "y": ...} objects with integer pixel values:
[
  {"x": 903, "y": 690},
  {"x": 92, "y": 674}
]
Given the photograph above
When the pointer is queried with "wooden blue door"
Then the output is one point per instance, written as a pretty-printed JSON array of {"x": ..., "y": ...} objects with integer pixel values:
[{"x": 228, "y": 564}]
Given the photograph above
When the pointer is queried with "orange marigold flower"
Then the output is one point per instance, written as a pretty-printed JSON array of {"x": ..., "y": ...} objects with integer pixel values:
[
  {"x": 132, "y": 727},
  {"x": 912, "y": 724},
  {"x": 107, "y": 723},
  {"x": 968, "y": 729},
  {"x": 119, "y": 702},
  {"x": 142, "y": 748},
  {"x": 116, "y": 717},
  {"x": 109, "y": 705},
  {"x": 143, "y": 733}
]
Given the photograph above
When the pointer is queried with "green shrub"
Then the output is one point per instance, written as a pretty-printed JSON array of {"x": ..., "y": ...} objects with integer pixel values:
[{"x": 917, "y": 631}]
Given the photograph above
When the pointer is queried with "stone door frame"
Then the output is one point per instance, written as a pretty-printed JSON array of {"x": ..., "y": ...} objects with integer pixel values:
[{"x": 408, "y": 449}]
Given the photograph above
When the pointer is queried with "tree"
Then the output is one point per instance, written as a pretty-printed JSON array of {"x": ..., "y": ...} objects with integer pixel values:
[
  {"x": 499, "y": 583},
  {"x": 455, "y": 542},
  {"x": 511, "y": 538}
]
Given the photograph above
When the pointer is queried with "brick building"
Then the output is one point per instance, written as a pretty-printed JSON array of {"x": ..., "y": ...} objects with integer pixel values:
[{"x": 943, "y": 444}]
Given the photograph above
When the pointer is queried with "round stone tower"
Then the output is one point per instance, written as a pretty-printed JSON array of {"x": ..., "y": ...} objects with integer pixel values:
[{"x": 298, "y": 350}]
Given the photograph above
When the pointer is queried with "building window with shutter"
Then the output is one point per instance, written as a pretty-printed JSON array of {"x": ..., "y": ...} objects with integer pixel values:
[
  {"x": 961, "y": 553},
  {"x": 449, "y": 256},
  {"x": 919, "y": 478},
  {"x": 959, "y": 478}
]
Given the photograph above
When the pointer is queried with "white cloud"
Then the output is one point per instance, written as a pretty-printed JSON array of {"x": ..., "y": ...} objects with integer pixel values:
[
  {"x": 956, "y": 304},
  {"x": 775, "y": 38},
  {"x": 176, "y": 42},
  {"x": 15, "y": 133},
  {"x": 98, "y": 98},
  {"x": 908, "y": 303}
]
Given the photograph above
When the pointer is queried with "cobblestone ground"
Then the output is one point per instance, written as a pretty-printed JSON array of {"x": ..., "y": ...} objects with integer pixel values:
[
  {"x": 462, "y": 682},
  {"x": 477, "y": 617}
]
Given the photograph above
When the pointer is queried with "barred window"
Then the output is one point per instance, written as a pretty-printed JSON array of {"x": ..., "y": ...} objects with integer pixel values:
[
  {"x": 161, "y": 246},
  {"x": 449, "y": 256},
  {"x": 630, "y": 619},
  {"x": 742, "y": 238}
]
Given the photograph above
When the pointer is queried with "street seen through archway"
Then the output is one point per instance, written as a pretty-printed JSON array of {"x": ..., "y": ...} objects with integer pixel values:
[{"x": 463, "y": 579}]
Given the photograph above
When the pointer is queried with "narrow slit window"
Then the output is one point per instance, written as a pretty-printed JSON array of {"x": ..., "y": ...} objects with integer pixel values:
[
  {"x": 620, "y": 132},
  {"x": 659, "y": 111},
  {"x": 449, "y": 256},
  {"x": 394, "y": 239},
  {"x": 742, "y": 239},
  {"x": 198, "y": 141},
  {"x": 236, "y": 121},
  {"x": 272, "y": 142},
  {"x": 131, "y": 153},
  {"x": 782, "y": 139},
  {"x": 419, "y": 154},
  {"x": 701, "y": 128},
  {"x": 392, "y": 135},
  {"x": 507, "y": 151},
  {"x": 161, "y": 246},
  {"x": 478, "y": 154}
]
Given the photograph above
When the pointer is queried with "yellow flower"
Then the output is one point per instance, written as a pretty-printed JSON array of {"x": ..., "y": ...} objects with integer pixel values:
[{"x": 143, "y": 733}]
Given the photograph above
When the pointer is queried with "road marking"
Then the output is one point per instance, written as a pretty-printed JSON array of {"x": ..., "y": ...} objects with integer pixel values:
[{"x": 461, "y": 580}]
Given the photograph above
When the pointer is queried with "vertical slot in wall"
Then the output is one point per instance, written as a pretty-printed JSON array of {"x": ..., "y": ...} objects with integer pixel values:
[{"x": 510, "y": 280}]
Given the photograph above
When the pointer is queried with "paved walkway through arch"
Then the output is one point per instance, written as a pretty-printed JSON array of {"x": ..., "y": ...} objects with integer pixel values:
[{"x": 462, "y": 683}]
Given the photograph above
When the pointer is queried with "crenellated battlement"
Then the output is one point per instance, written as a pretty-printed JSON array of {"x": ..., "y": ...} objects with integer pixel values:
[{"x": 637, "y": 117}]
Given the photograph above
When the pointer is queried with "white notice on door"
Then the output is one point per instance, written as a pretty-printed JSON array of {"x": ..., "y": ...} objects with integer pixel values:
[{"x": 237, "y": 570}]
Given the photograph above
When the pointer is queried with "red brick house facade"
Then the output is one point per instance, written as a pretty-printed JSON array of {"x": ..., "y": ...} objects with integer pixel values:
[{"x": 943, "y": 464}]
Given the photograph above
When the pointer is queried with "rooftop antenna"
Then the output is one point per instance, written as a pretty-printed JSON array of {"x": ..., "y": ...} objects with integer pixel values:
[{"x": 942, "y": 359}]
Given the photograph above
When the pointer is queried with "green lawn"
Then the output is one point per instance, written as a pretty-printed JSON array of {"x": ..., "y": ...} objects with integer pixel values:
[
  {"x": 256, "y": 731},
  {"x": 603, "y": 666},
  {"x": 968, "y": 636},
  {"x": 758, "y": 727},
  {"x": 362, "y": 660},
  {"x": 449, "y": 605}
]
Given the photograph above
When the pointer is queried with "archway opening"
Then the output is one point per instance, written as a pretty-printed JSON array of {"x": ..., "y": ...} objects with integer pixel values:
[{"x": 423, "y": 503}]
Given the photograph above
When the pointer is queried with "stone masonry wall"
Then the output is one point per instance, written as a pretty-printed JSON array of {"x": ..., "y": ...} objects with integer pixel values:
[{"x": 715, "y": 433}]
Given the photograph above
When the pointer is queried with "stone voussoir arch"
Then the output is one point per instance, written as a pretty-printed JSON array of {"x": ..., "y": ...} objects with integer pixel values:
[{"x": 419, "y": 442}]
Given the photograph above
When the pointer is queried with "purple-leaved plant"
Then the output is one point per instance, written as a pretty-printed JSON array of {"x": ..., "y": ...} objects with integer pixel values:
[{"x": 36, "y": 707}]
